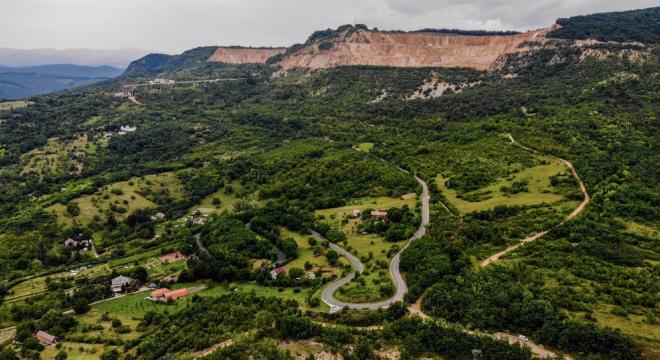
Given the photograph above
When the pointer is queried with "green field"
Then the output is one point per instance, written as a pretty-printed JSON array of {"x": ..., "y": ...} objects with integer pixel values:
[
  {"x": 365, "y": 146},
  {"x": 227, "y": 201},
  {"x": 58, "y": 157},
  {"x": 77, "y": 351},
  {"x": 306, "y": 254},
  {"x": 635, "y": 326},
  {"x": 8, "y": 105},
  {"x": 122, "y": 195},
  {"x": 379, "y": 203},
  {"x": 370, "y": 248},
  {"x": 540, "y": 189}
]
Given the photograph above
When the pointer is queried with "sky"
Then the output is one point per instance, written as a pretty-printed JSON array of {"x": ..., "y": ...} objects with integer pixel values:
[{"x": 172, "y": 26}]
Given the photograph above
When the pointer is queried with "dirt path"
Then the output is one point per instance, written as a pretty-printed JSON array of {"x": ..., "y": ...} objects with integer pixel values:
[{"x": 495, "y": 257}]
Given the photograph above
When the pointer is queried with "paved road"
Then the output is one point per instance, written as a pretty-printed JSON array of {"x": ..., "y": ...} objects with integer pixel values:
[
  {"x": 399, "y": 282},
  {"x": 495, "y": 257}
]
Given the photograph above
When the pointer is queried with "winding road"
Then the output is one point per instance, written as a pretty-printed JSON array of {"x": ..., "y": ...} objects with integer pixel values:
[{"x": 399, "y": 282}]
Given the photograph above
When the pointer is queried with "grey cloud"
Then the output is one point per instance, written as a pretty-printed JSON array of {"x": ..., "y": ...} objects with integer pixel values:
[{"x": 176, "y": 25}]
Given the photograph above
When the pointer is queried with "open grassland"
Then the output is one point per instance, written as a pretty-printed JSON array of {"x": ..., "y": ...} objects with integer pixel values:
[
  {"x": 643, "y": 230},
  {"x": 134, "y": 306},
  {"x": 59, "y": 157},
  {"x": 120, "y": 199},
  {"x": 76, "y": 350},
  {"x": 227, "y": 199},
  {"x": 539, "y": 191},
  {"x": 306, "y": 254},
  {"x": 334, "y": 215},
  {"x": 285, "y": 293},
  {"x": 371, "y": 249},
  {"x": 9, "y": 105},
  {"x": 365, "y": 146},
  {"x": 635, "y": 326}
]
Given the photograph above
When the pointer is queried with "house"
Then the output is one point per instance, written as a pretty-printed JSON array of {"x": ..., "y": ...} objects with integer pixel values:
[
  {"x": 173, "y": 257},
  {"x": 46, "y": 339},
  {"x": 275, "y": 273},
  {"x": 158, "y": 216},
  {"x": 176, "y": 294},
  {"x": 118, "y": 283},
  {"x": 356, "y": 212},
  {"x": 70, "y": 243},
  {"x": 127, "y": 128},
  {"x": 162, "y": 81},
  {"x": 379, "y": 214},
  {"x": 157, "y": 294},
  {"x": 310, "y": 275}
]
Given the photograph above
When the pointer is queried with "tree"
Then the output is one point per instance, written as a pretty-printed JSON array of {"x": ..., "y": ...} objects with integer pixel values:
[
  {"x": 296, "y": 273},
  {"x": 110, "y": 355}
]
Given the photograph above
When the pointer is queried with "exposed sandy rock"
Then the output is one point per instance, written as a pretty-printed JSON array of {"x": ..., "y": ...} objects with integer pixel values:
[
  {"x": 241, "y": 55},
  {"x": 433, "y": 88},
  {"x": 380, "y": 97},
  {"x": 363, "y": 47}
]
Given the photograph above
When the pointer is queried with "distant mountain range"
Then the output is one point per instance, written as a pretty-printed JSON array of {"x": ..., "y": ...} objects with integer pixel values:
[
  {"x": 20, "y": 82},
  {"x": 91, "y": 57}
]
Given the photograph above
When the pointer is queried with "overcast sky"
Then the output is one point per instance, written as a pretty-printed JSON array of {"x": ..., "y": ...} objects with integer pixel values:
[{"x": 176, "y": 25}]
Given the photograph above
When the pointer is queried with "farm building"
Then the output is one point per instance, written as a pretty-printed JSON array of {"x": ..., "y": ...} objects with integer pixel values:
[
  {"x": 117, "y": 284},
  {"x": 275, "y": 273},
  {"x": 379, "y": 214},
  {"x": 46, "y": 339},
  {"x": 70, "y": 243},
  {"x": 165, "y": 294}
]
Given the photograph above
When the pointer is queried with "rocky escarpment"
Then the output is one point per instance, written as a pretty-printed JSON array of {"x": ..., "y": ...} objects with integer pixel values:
[
  {"x": 243, "y": 55},
  {"x": 357, "y": 46}
]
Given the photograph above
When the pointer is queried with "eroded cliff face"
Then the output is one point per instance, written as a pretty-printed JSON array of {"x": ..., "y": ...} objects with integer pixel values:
[
  {"x": 362, "y": 47},
  {"x": 239, "y": 55}
]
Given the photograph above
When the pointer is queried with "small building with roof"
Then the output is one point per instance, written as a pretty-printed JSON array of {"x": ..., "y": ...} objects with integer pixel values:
[
  {"x": 117, "y": 284},
  {"x": 46, "y": 339}
]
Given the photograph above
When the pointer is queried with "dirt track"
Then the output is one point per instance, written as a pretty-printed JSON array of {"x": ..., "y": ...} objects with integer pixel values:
[{"x": 495, "y": 257}]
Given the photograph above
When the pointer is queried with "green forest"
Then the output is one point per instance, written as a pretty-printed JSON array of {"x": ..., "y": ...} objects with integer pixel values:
[{"x": 251, "y": 196}]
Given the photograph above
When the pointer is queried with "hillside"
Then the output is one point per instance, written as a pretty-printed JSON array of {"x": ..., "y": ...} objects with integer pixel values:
[
  {"x": 242, "y": 55},
  {"x": 19, "y": 82},
  {"x": 480, "y": 192},
  {"x": 357, "y": 46}
]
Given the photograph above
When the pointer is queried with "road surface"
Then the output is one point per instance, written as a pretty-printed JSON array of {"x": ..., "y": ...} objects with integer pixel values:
[
  {"x": 495, "y": 257},
  {"x": 399, "y": 282}
]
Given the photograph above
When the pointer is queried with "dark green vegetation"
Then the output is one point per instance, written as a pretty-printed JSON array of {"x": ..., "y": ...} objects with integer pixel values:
[
  {"x": 633, "y": 25},
  {"x": 280, "y": 149}
]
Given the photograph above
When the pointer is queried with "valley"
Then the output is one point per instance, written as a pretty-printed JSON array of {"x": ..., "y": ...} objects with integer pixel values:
[{"x": 367, "y": 194}]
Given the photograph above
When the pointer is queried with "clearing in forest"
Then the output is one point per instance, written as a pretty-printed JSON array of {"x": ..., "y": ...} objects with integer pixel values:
[
  {"x": 59, "y": 157},
  {"x": 373, "y": 251},
  {"x": 312, "y": 254},
  {"x": 535, "y": 183},
  {"x": 12, "y": 105},
  {"x": 120, "y": 199}
]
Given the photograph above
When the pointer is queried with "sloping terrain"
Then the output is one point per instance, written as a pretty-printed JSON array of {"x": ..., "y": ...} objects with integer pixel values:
[
  {"x": 242, "y": 55},
  {"x": 357, "y": 46}
]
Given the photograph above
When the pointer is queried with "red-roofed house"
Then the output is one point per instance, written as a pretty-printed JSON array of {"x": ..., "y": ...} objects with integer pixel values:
[
  {"x": 46, "y": 339},
  {"x": 158, "y": 293},
  {"x": 275, "y": 273},
  {"x": 175, "y": 294},
  {"x": 379, "y": 214}
]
